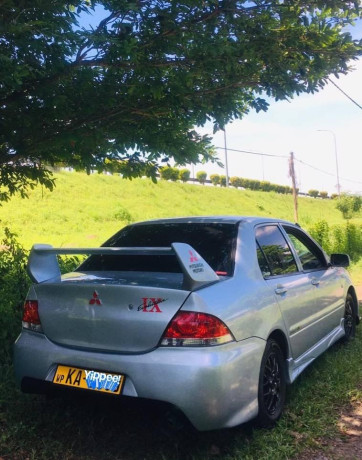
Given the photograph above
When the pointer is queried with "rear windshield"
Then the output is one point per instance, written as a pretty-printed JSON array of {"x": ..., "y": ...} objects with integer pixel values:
[{"x": 215, "y": 242}]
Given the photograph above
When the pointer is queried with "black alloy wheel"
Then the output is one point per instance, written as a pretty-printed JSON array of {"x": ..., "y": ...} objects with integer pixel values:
[
  {"x": 272, "y": 385},
  {"x": 349, "y": 319}
]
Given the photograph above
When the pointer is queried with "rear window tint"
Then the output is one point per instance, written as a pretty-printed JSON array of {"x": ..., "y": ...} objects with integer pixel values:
[{"x": 215, "y": 242}]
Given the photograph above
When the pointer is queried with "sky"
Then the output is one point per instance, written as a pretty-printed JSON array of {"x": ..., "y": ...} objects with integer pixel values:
[{"x": 293, "y": 127}]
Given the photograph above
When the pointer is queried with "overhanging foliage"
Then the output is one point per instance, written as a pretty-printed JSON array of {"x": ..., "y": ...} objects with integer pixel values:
[{"x": 134, "y": 86}]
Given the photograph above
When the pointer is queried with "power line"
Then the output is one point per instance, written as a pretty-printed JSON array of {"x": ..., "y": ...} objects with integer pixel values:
[
  {"x": 326, "y": 172},
  {"x": 314, "y": 167},
  {"x": 285, "y": 156},
  {"x": 254, "y": 153},
  {"x": 344, "y": 93}
]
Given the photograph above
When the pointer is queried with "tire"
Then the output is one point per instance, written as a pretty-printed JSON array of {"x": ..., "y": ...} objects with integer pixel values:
[
  {"x": 272, "y": 385},
  {"x": 349, "y": 319}
]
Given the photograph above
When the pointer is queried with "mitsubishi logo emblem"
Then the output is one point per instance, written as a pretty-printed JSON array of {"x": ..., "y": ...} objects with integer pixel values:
[
  {"x": 193, "y": 257},
  {"x": 95, "y": 300}
]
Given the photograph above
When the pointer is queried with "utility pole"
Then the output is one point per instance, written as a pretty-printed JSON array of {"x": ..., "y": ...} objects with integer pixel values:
[{"x": 295, "y": 194}]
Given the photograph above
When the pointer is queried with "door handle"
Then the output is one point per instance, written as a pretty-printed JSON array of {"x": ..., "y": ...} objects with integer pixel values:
[
  {"x": 280, "y": 290},
  {"x": 315, "y": 282}
]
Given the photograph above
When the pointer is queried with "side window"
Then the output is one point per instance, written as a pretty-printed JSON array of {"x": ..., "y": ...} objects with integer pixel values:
[
  {"x": 310, "y": 255},
  {"x": 277, "y": 256}
]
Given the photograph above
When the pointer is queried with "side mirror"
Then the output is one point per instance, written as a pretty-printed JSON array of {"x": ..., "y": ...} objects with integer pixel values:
[{"x": 340, "y": 260}]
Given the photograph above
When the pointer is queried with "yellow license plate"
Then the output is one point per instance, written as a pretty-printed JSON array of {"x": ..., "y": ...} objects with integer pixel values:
[{"x": 89, "y": 379}]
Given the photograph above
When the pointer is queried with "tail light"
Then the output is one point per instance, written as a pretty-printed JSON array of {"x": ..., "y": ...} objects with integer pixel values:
[
  {"x": 31, "y": 319},
  {"x": 190, "y": 329}
]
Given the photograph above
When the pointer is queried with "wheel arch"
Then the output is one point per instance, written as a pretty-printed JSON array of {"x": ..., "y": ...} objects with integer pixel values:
[
  {"x": 273, "y": 378},
  {"x": 279, "y": 336},
  {"x": 352, "y": 292}
]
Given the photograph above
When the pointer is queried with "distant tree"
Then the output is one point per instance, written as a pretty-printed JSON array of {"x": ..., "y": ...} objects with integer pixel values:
[
  {"x": 349, "y": 205},
  {"x": 323, "y": 194},
  {"x": 235, "y": 181},
  {"x": 334, "y": 196},
  {"x": 134, "y": 85},
  {"x": 184, "y": 174},
  {"x": 215, "y": 179},
  {"x": 313, "y": 193},
  {"x": 223, "y": 181},
  {"x": 169, "y": 173},
  {"x": 201, "y": 177}
]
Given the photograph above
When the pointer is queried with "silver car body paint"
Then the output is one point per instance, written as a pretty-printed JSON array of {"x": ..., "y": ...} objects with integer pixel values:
[{"x": 214, "y": 386}]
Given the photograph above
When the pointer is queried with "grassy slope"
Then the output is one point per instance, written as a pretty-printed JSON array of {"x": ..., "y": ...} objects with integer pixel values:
[{"x": 85, "y": 210}]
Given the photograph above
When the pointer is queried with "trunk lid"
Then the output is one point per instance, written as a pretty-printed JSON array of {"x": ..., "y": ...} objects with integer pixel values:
[{"x": 119, "y": 312}]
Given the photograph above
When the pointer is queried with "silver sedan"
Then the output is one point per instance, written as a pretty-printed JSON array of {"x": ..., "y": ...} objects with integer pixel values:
[{"x": 214, "y": 315}]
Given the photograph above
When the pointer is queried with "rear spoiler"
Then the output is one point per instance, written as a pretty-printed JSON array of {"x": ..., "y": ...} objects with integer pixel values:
[{"x": 43, "y": 263}]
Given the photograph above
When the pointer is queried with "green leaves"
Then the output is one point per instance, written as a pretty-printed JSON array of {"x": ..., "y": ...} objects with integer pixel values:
[
  {"x": 149, "y": 72},
  {"x": 349, "y": 205},
  {"x": 18, "y": 178}
]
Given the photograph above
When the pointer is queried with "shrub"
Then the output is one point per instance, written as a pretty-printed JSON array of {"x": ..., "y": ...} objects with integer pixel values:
[
  {"x": 323, "y": 195},
  {"x": 13, "y": 288},
  {"x": 68, "y": 264},
  {"x": 235, "y": 181},
  {"x": 345, "y": 238},
  {"x": 339, "y": 240},
  {"x": 124, "y": 215},
  {"x": 169, "y": 173},
  {"x": 321, "y": 233},
  {"x": 184, "y": 175},
  {"x": 215, "y": 179},
  {"x": 255, "y": 184},
  {"x": 313, "y": 193},
  {"x": 223, "y": 181},
  {"x": 201, "y": 177},
  {"x": 353, "y": 241},
  {"x": 349, "y": 205},
  {"x": 266, "y": 186}
]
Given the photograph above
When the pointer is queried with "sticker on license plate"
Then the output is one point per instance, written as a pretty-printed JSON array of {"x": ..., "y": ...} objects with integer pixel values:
[{"x": 89, "y": 379}]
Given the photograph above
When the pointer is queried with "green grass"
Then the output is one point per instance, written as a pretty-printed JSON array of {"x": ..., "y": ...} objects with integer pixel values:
[
  {"x": 356, "y": 273},
  {"x": 85, "y": 210}
]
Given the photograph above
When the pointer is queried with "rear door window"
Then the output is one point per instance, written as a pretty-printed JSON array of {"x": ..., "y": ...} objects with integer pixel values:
[{"x": 275, "y": 257}]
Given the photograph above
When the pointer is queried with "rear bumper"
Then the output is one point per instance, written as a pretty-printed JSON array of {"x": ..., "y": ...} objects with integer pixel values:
[{"x": 215, "y": 387}]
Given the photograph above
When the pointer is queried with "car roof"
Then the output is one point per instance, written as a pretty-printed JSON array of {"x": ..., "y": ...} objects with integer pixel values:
[{"x": 252, "y": 220}]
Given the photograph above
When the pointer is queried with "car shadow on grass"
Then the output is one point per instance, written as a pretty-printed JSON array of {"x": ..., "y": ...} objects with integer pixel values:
[{"x": 86, "y": 426}]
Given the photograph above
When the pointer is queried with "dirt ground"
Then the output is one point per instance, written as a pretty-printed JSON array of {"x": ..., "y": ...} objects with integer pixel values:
[{"x": 347, "y": 446}]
